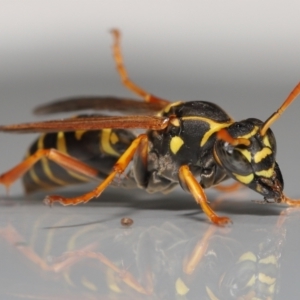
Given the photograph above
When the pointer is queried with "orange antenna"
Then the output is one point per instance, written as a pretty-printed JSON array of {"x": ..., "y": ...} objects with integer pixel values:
[{"x": 293, "y": 95}]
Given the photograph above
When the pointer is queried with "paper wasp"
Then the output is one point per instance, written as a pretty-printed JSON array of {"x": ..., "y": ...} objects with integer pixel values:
[{"x": 194, "y": 144}]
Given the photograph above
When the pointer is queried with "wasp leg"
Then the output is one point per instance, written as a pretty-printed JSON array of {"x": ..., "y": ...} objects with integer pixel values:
[
  {"x": 118, "y": 58},
  {"x": 188, "y": 180},
  {"x": 199, "y": 251},
  {"x": 123, "y": 274},
  {"x": 60, "y": 158},
  {"x": 118, "y": 168},
  {"x": 228, "y": 188}
]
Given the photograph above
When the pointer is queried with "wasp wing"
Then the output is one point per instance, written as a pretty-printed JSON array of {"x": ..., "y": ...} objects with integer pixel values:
[
  {"x": 124, "y": 105},
  {"x": 90, "y": 123}
]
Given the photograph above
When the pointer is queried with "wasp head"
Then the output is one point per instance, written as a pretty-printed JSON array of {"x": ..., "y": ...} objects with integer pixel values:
[{"x": 252, "y": 163}]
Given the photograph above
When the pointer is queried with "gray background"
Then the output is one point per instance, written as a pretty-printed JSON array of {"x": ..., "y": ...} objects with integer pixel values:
[{"x": 242, "y": 55}]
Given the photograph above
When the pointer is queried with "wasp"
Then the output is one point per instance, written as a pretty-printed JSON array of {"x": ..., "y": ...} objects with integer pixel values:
[{"x": 195, "y": 144}]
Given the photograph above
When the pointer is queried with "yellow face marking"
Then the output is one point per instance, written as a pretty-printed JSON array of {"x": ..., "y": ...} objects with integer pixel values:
[
  {"x": 266, "y": 279},
  {"x": 181, "y": 287},
  {"x": 266, "y": 173},
  {"x": 250, "y": 134},
  {"x": 105, "y": 145},
  {"x": 176, "y": 143},
  {"x": 266, "y": 141},
  {"x": 248, "y": 256},
  {"x": 260, "y": 155},
  {"x": 245, "y": 153},
  {"x": 79, "y": 134},
  {"x": 45, "y": 164},
  {"x": 244, "y": 179},
  {"x": 113, "y": 138},
  {"x": 61, "y": 146},
  {"x": 214, "y": 127}
]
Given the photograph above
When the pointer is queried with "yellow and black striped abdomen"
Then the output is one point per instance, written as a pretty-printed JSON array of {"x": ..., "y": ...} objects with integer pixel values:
[{"x": 98, "y": 149}]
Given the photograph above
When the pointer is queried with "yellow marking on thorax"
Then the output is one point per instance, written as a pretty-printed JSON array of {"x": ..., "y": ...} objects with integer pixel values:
[
  {"x": 168, "y": 108},
  {"x": 176, "y": 143},
  {"x": 105, "y": 143},
  {"x": 214, "y": 126},
  {"x": 250, "y": 134},
  {"x": 113, "y": 138},
  {"x": 245, "y": 153},
  {"x": 45, "y": 164},
  {"x": 244, "y": 179},
  {"x": 61, "y": 146},
  {"x": 175, "y": 122},
  {"x": 266, "y": 173},
  {"x": 260, "y": 155},
  {"x": 79, "y": 134}
]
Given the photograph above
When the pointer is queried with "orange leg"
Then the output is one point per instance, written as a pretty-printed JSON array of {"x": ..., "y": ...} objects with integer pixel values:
[
  {"x": 60, "y": 158},
  {"x": 117, "y": 54},
  {"x": 118, "y": 168},
  {"x": 196, "y": 190},
  {"x": 228, "y": 188},
  {"x": 124, "y": 275}
]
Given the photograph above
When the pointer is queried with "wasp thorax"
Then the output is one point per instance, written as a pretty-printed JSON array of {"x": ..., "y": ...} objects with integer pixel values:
[{"x": 253, "y": 165}]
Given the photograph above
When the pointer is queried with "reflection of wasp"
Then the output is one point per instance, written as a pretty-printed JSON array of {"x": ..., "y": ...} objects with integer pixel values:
[
  {"x": 184, "y": 141},
  {"x": 162, "y": 261}
]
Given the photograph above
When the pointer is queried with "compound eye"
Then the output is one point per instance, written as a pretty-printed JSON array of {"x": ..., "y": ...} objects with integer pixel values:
[{"x": 234, "y": 159}]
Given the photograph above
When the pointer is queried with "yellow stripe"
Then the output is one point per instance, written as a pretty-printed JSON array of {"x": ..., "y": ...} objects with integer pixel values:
[
  {"x": 61, "y": 146},
  {"x": 266, "y": 173},
  {"x": 168, "y": 107},
  {"x": 176, "y": 143},
  {"x": 244, "y": 179},
  {"x": 88, "y": 284},
  {"x": 260, "y": 155},
  {"x": 45, "y": 164},
  {"x": 37, "y": 180},
  {"x": 79, "y": 134},
  {"x": 214, "y": 126},
  {"x": 105, "y": 143},
  {"x": 250, "y": 134}
]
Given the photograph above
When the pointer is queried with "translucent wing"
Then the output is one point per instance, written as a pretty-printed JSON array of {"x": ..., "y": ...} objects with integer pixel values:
[
  {"x": 124, "y": 105},
  {"x": 90, "y": 123}
]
